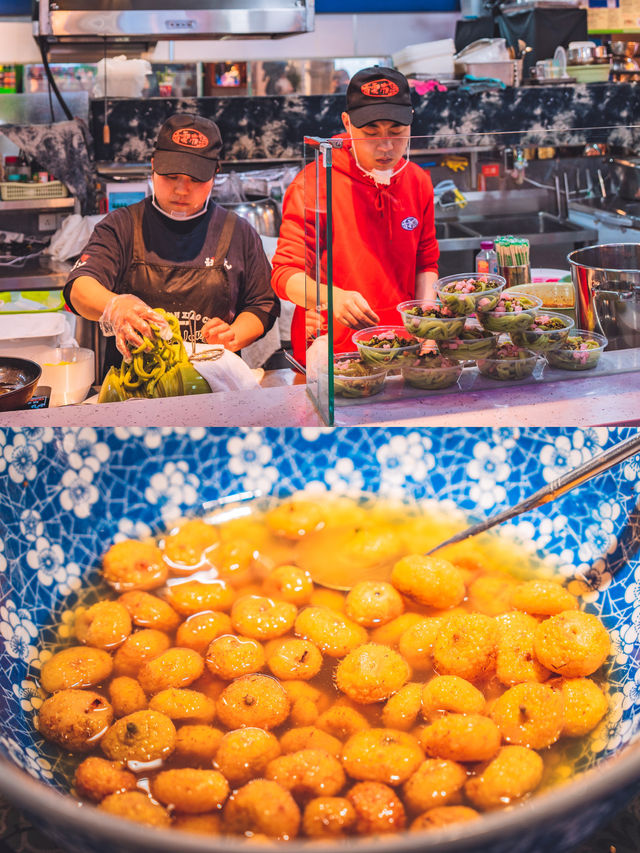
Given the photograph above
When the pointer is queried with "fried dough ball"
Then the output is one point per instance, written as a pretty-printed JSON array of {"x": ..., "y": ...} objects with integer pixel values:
[
  {"x": 294, "y": 518},
  {"x": 137, "y": 649},
  {"x": 382, "y": 755},
  {"x": 416, "y": 643},
  {"x": 95, "y": 778},
  {"x": 75, "y": 719},
  {"x": 335, "y": 635},
  {"x": 429, "y": 580},
  {"x": 253, "y": 700},
  {"x": 289, "y": 583},
  {"x": 126, "y": 696},
  {"x": 466, "y": 646},
  {"x": 371, "y": 673},
  {"x": 491, "y": 594},
  {"x": 378, "y": 809},
  {"x": 342, "y": 720},
  {"x": 148, "y": 611},
  {"x": 143, "y": 736},
  {"x": 134, "y": 565},
  {"x": 371, "y": 603},
  {"x": 529, "y": 714},
  {"x": 197, "y": 744},
  {"x": 230, "y": 657},
  {"x": 436, "y": 782},
  {"x": 310, "y": 737},
  {"x": 235, "y": 562},
  {"x": 328, "y": 817},
  {"x": 190, "y": 790},
  {"x": 572, "y": 643},
  {"x": 584, "y": 705},
  {"x": 202, "y": 824},
  {"x": 294, "y": 659},
  {"x": 542, "y": 598},
  {"x": 174, "y": 668},
  {"x": 134, "y": 805},
  {"x": 104, "y": 625},
  {"x": 262, "y": 618},
  {"x": 180, "y": 703},
  {"x": 262, "y": 807},
  {"x": 443, "y": 816},
  {"x": 461, "y": 737},
  {"x": 515, "y": 659},
  {"x": 451, "y": 693},
  {"x": 76, "y": 666},
  {"x": 185, "y": 549},
  {"x": 390, "y": 634},
  {"x": 402, "y": 709},
  {"x": 194, "y": 596},
  {"x": 513, "y": 773},
  {"x": 244, "y": 754},
  {"x": 307, "y": 773},
  {"x": 197, "y": 631}
]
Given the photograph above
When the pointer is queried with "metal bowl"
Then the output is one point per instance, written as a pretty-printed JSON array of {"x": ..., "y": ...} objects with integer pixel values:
[
  {"x": 625, "y": 48},
  {"x": 18, "y": 380}
]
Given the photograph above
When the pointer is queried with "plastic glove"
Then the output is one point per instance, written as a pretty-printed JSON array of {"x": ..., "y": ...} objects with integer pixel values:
[{"x": 130, "y": 320}]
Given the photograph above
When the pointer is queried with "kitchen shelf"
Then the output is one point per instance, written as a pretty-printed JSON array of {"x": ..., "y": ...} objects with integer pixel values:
[{"x": 39, "y": 204}]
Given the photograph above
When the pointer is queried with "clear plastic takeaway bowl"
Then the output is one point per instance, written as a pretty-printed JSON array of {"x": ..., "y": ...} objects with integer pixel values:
[
  {"x": 508, "y": 363},
  {"x": 581, "y": 351},
  {"x": 386, "y": 345},
  {"x": 431, "y": 371},
  {"x": 470, "y": 291},
  {"x": 473, "y": 342},
  {"x": 513, "y": 312},
  {"x": 430, "y": 320},
  {"x": 353, "y": 378},
  {"x": 548, "y": 331}
]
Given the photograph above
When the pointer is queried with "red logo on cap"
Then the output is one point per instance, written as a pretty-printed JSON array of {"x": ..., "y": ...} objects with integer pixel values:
[
  {"x": 189, "y": 137},
  {"x": 380, "y": 88}
]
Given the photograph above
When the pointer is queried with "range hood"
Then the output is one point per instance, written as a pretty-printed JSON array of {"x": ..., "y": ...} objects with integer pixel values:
[{"x": 128, "y": 26}]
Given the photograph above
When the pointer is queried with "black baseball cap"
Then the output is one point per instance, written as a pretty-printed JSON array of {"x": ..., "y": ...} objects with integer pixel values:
[
  {"x": 379, "y": 94},
  {"x": 188, "y": 145}
]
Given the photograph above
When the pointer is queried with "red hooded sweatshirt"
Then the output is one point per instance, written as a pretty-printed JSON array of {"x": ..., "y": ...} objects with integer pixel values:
[{"x": 382, "y": 236}]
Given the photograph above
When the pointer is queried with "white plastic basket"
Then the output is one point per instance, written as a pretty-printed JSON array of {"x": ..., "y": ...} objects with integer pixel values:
[{"x": 20, "y": 190}]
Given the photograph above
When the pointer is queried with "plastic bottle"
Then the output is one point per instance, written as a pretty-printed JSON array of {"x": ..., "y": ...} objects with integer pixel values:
[{"x": 487, "y": 259}]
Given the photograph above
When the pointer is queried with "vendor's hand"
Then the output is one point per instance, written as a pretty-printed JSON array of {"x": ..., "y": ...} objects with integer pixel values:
[
  {"x": 351, "y": 309},
  {"x": 216, "y": 331},
  {"x": 130, "y": 320}
]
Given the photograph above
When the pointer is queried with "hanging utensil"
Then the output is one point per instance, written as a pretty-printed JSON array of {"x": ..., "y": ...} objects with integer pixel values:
[{"x": 325, "y": 572}]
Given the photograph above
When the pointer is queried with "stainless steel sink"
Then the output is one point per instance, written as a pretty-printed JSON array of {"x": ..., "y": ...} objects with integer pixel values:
[{"x": 538, "y": 228}]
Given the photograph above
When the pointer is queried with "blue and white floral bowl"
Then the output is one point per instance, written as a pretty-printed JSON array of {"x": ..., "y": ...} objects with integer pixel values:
[{"x": 66, "y": 494}]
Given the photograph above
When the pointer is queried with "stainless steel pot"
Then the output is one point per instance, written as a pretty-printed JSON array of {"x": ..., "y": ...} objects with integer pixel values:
[
  {"x": 606, "y": 279},
  {"x": 625, "y": 177},
  {"x": 262, "y": 213},
  {"x": 583, "y": 54}
]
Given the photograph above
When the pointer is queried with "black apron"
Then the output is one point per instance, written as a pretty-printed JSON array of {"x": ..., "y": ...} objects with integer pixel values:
[{"x": 194, "y": 294}]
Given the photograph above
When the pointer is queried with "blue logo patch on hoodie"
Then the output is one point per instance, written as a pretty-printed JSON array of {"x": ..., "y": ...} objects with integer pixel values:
[{"x": 409, "y": 223}]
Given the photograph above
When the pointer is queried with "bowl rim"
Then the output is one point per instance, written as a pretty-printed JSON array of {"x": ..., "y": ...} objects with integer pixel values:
[
  {"x": 602, "y": 340},
  {"x": 499, "y": 280},
  {"x": 519, "y": 294},
  {"x": 399, "y": 328},
  {"x": 30, "y": 794},
  {"x": 436, "y": 303}
]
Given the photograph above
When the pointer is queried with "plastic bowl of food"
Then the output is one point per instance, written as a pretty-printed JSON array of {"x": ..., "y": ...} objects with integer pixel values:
[
  {"x": 547, "y": 332},
  {"x": 431, "y": 371},
  {"x": 386, "y": 345},
  {"x": 513, "y": 312},
  {"x": 430, "y": 320},
  {"x": 580, "y": 351},
  {"x": 352, "y": 377},
  {"x": 509, "y": 362},
  {"x": 69, "y": 496},
  {"x": 472, "y": 343},
  {"x": 468, "y": 292}
]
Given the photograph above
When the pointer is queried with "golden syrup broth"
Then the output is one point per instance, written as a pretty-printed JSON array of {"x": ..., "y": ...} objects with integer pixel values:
[{"x": 417, "y": 530}]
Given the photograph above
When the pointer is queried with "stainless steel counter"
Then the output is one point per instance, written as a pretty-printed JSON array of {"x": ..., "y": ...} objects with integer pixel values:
[{"x": 41, "y": 273}]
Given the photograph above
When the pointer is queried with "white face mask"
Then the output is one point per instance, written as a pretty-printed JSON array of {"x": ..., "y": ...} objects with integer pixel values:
[
  {"x": 177, "y": 215},
  {"x": 382, "y": 177}
]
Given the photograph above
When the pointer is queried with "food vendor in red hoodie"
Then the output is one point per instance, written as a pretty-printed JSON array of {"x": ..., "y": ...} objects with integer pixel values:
[{"x": 384, "y": 240}]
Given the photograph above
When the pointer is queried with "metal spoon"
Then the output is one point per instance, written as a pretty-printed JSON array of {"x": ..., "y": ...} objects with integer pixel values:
[{"x": 570, "y": 480}]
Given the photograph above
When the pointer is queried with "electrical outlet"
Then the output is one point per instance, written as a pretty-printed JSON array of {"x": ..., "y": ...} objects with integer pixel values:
[{"x": 47, "y": 222}]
